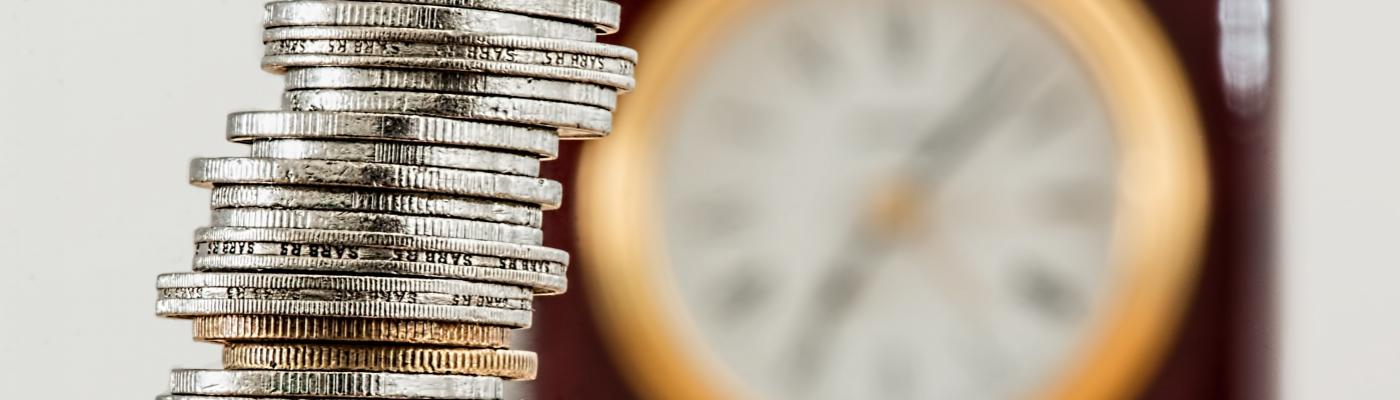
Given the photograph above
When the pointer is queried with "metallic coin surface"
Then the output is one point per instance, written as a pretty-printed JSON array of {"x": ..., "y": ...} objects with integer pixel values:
[
  {"x": 399, "y": 153},
  {"x": 184, "y": 397},
  {"x": 500, "y": 44},
  {"x": 277, "y": 328},
  {"x": 376, "y": 222},
  {"x": 605, "y": 15},
  {"x": 508, "y": 364},
  {"x": 382, "y": 239},
  {"x": 412, "y": 49},
  {"x": 189, "y": 295},
  {"x": 334, "y": 384},
  {"x": 579, "y": 119},
  {"x": 209, "y": 172},
  {"x": 253, "y": 126},
  {"x": 281, "y": 63},
  {"x": 504, "y": 251},
  {"x": 417, "y": 16},
  {"x": 375, "y": 201},
  {"x": 451, "y": 82},
  {"x": 543, "y": 278}
]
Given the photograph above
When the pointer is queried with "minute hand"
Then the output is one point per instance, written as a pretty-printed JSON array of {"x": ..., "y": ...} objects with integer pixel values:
[
  {"x": 952, "y": 142},
  {"x": 848, "y": 276}
]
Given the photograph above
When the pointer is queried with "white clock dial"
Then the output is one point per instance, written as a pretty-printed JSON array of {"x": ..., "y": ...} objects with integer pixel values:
[{"x": 894, "y": 199}]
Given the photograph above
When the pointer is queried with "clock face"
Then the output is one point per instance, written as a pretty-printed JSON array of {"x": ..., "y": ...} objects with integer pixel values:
[{"x": 895, "y": 199}]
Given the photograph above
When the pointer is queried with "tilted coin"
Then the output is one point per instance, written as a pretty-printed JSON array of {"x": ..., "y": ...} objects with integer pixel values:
[
  {"x": 451, "y": 82},
  {"x": 332, "y": 252},
  {"x": 208, "y": 172},
  {"x": 399, "y": 153},
  {"x": 252, "y": 126},
  {"x": 573, "y": 120},
  {"x": 381, "y": 47},
  {"x": 506, "y": 252},
  {"x": 274, "y": 328},
  {"x": 185, "y": 397},
  {"x": 324, "y": 384},
  {"x": 491, "y": 47},
  {"x": 281, "y": 63},
  {"x": 376, "y": 222},
  {"x": 399, "y": 15},
  {"x": 508, "y": 364},
  {"x": 605, "y": 15},
  {"x": 334, "y": 259},
  {"x": 310, "y": 251},
  {"x": 375, "y": 201},
  {"x": 188, "y": 295}
]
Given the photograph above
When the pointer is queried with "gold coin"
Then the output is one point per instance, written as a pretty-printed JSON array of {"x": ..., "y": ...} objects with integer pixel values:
[
  {"x": 262, "y": 328},
  {"x": 509, "y": 364}
]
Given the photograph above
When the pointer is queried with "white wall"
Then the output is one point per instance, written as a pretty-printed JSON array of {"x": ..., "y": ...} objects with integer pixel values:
[
  {"x": 1341, "y": 164},
  {"x": 102, "y": 104}
]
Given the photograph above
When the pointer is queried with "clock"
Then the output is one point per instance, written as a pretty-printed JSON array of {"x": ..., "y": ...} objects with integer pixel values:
[{"x": 902, "y": 199}]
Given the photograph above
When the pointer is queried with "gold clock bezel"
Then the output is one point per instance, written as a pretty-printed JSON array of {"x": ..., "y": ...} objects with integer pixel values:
[{"x": 1162, "y": 203}]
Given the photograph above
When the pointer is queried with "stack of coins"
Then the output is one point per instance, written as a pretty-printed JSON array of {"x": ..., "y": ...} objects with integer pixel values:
[{"x": 383, "y": 238}]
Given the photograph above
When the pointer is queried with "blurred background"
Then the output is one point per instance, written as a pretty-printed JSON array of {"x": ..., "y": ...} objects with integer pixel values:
[{"x": 807, "y": 199}]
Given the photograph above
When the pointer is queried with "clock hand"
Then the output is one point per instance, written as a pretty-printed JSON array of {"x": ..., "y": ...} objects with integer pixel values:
[
  {"x": 851, "y": 270},
  {"x": 951, "y": 142},
  {"x": 838, "y": 291}
]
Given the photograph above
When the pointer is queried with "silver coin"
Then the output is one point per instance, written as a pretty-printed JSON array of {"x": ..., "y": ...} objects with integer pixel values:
[
  {"x": 605, "y": 15},
  {"x": 208, "y": 172},
  {"x": 241, "y": 256},
  {"x": 542, "y": 284},
  {"x": 399, "y": 153},
  {"x": 252, "y": 126},
  {"x": 380, "y": 47},
  {"x": 360, "y": 41},
  {"x": 188, "y": 295},
  {"x": 185, "y": 397},
  {"x": 337, "y": 251},
  {"x": 279, "y": 64},
  {"x": 451, "y": 82},
  {"x": 399, "y": 15},
  {"x": 376, "y": 222},
  {"x": 504, "y": 251},
  {"x": 573, "y": 120},
  {"x": 324, "y": 384},
  {"x": 496, "y": 45},
  {"x": 313, "y": 198}
]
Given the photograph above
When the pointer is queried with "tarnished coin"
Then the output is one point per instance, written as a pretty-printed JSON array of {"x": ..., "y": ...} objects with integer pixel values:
[
  {"x": 375, "y": 201},
  {"x": 208, "y": 172},
  {"x": 262, "y": 125},
  {"x": 323, "y": 384},
  {"x": 417, "y": 16},
  {"x": 605, "y": 15},
  {"x": 190, "y": 295},
  {"x": 451, "y": 82},
  {"x": 572, "y": 120},
  {"x": 376, "y": 222},
  {"x": 399, "y": 153},
  {"x": 274, "y": 328},
  {"x": 508, "y": 364}
]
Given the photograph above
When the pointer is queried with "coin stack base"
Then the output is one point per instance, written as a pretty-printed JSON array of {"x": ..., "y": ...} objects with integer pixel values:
[{"x": 383, "y": 237}]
